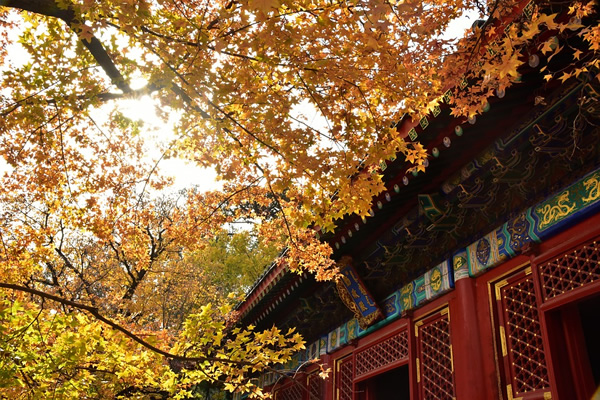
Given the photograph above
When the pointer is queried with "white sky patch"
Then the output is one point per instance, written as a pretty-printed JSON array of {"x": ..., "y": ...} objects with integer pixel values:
[
  {"x": 456, "y": 28},
  {"x": 158, "y": 134}
]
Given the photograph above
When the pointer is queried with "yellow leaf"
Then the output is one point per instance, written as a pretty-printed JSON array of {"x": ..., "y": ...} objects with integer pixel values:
[
  {"x": 548, "y": 20},
  {"x": 548, "y": 45},
  {"x": 264, "y": 5},
  {"x": 565, "y": 76},
  {"x": 509, "y": 66}
]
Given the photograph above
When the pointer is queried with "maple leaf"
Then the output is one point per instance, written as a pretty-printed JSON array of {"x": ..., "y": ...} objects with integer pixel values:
[
  {"x": 548, "y": 20},
  {"x": 565, "y": 76},
  {"x": 579, "y": 71},
  {"x": 530, "y": 31},
  {"x": 509, "y": 65},
  {"x": 548, "y": 45},
  {"x": 264, "y": 6},
  {"x": 86, "y": 33}
]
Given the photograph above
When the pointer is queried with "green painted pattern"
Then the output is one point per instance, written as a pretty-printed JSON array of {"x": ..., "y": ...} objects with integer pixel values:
[{"x": 566, "y": 203}]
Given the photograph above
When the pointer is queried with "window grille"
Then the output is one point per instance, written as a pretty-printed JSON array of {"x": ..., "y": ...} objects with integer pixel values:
[
  {"x": 382, "y": 354},
  {"x": 434, "y": 364},
  {"x": 570, "y": 271},
  {"x": 291, "y": 392},
  {"x": 345, "y": 379},
  {"x": 315, "y": 385},
  {"x": 520, "y": 335}
]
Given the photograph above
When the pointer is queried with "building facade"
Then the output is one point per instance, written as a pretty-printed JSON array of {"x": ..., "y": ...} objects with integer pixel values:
[{"x": 478, "y": 279}]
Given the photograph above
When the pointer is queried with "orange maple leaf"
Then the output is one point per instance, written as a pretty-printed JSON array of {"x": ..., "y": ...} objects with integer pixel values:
[
  {"x": 86, "y": 33},
  {"x": 264, "y": 5},
  {"x": 565, "y": 76},
  {"x": 509, "y": 66},
  {"x": 548, "y": 20}
]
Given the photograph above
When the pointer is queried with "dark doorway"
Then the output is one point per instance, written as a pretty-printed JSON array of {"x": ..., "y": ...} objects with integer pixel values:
[
  {"x": 589, "y": 312},
  {"x": 390, "y": 385},
  {"x": 573, "y": 330}
]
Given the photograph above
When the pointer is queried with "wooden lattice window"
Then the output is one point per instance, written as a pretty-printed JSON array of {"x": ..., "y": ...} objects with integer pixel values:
[
  {"x": 393, "y": 350},
  {"x": 291, "y": 392},
  {"x": 315, "y": 387},
  {"x": 520, "y": 335},
  {"x": 577, "y": 268},
  {"x": 345, "y": 377},
  {"x": 434, "y": 361}
]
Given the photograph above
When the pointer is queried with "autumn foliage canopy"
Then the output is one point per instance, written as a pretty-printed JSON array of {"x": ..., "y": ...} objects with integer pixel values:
[{"x": 108, "y": 284}]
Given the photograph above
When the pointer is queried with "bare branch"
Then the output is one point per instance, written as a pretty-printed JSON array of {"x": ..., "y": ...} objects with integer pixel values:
[{"x": 50, "y": 8}]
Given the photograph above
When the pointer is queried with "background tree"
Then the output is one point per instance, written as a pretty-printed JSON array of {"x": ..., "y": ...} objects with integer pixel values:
[{"x": 92, "y": 262}]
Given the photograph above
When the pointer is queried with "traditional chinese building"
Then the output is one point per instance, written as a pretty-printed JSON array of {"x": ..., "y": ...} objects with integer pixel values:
[{"x": 478, "y": 279}]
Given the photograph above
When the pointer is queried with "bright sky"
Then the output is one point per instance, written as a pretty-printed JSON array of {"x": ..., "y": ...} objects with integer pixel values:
[{"x": 158, "y": 134}]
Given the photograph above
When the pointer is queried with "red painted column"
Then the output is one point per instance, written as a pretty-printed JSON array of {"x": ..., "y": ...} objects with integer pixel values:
[
  {"x": 328, "y": 362},
  {"x": 472, "y": 379}
]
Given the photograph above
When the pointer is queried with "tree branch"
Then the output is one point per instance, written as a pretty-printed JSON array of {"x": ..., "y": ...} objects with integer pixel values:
[
  {"x": 50, "y": 8},
  {"x": 93, "y": 311}
]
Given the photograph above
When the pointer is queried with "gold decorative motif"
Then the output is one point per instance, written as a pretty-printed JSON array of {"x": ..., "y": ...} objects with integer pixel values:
[
  {"x": 369, "y": 319},
  {"x": 499, "y": 286},
  {"x": 554, "y": 213},
  {"x": 592, "y": 185},
  {"x": 405, "y": 296},
  {"x": 528, "y": 9},
  {"x": 447, "y": 96},
  {"x": 436, "y": 280},
  {"x": 417, "y": 326},
  {"x": 412, "y": 134},
  {"x": 459, "y": 262},
  {"x": 389, "y": 308},
  {"x": 352, "y": 329},
  {"x": 451, "y": 359},
  {"x": 503, "y": 341},
  {"x": 509, "y": 393},
  {"x": 383, "y": 165},
  {"x": 346, "y": 280},
  {"x": 346, "y": 297}
]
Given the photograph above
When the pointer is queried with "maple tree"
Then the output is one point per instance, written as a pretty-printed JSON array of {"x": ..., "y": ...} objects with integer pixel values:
[{"x": 93, "y": 266}]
